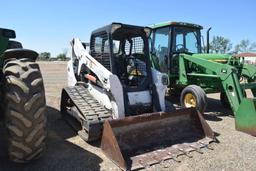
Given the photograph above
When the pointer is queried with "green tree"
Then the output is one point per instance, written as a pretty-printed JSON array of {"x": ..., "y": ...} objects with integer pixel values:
[
  {"x": 63, "y": 56},
  {"x": 220, "y": 44},
  {"x": 245, "y": 46},
  {"x": 45, "y": 55}
]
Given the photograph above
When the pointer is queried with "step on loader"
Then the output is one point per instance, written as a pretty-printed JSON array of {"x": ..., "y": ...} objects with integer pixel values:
[{"x": 114, "y": 95}]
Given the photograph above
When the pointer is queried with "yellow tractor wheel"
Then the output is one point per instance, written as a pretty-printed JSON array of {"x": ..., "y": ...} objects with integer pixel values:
[
  {"x": 193, "y": 96},
  {"x": 189, "y": 100}
]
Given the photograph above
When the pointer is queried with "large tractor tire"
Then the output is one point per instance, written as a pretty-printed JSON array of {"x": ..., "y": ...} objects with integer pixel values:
[
  {"x": 193, "y": 96},
  {"x": 25, "y": 108}
]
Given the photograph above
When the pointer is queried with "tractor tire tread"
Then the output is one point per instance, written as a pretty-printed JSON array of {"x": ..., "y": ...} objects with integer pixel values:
[{"x": 25, "y": 110}]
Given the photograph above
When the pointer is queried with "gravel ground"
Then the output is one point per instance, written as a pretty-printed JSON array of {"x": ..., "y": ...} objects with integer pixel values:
[{"x": 66, "y": 151}]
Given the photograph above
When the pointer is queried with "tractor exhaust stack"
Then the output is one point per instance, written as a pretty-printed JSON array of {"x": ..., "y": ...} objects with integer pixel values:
[{"x": 208, "y": 39}]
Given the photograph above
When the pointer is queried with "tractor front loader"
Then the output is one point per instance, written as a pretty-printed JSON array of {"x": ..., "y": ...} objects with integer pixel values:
[
  {"x": 177, "y": 51},
  {"x": 243, "y": 107},
  {"x": 114, "y": 95},
  {"x": 22, "y": 100}
]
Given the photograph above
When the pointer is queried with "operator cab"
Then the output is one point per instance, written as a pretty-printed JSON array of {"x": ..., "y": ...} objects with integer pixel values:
[
  {"x": 129, "y": 57},
  {"x": 123, "y": 50},
  {"x": 169, "y": 40}
]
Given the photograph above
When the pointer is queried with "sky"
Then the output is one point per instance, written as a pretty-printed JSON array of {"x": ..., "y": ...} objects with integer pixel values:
[{"x": 49, "y": 25}]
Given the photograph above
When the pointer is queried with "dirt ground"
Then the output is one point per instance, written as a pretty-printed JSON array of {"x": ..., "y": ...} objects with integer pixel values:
[{"x": 66, "y": 151}]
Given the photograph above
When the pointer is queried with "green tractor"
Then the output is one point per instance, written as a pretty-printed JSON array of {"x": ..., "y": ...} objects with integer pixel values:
[
  {"x": 22, "y": 98},
  {"x": 177, "y": 51}
]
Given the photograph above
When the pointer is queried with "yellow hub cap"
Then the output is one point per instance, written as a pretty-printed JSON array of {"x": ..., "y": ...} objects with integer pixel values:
[{"x": 190, "y": 100}]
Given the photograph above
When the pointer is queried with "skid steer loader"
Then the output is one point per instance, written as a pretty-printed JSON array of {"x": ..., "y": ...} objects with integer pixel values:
[{"x": 114, "y": 95}]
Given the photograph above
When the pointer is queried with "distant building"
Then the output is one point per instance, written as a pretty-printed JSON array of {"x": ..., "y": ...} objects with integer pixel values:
[{"x": 249, "y": 57}]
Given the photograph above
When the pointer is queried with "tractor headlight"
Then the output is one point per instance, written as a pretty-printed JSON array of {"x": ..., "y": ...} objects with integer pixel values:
[{"x": 165, "y": 79}]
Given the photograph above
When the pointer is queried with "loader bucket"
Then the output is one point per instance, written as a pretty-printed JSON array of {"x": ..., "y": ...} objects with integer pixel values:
[
  {"x": 246, "y": 116},
  {"x": 140, "y": 141}
]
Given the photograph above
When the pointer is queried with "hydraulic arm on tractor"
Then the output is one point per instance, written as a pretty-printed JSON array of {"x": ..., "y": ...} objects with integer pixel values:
[{"x": 227, "y": 76}]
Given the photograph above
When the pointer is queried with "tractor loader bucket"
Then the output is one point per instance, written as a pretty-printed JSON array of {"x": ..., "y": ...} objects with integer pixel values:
[
  {"x": 140, "y": 141},
  {"x": 245, "y": 116}
]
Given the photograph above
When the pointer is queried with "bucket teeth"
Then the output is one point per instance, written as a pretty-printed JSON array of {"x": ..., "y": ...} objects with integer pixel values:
[
  {"x": 174, "y": 156},
  {"x": 176, "y": 159},
  {"x": 197, "y": 149},
  {"x": 186, "y": 153},
  {"x": 185, "y": 149},
  {"x": 209, "y": 147},
  {"x": 206, "y": 145}
]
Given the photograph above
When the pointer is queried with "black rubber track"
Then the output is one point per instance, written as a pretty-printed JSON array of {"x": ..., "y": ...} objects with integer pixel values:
[{"x": 90, "y": 112}]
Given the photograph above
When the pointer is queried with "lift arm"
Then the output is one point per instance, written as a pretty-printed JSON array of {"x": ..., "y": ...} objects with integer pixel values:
[
  {"x": 111, "y": 87},
  {"x": 226, "y": 73},
  {"x": 243, "y": 108},
  {"x": 85, "y": 58}
]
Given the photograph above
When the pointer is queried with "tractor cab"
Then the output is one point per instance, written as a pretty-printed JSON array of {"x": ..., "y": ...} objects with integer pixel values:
[{"x": 169, "y": 40}]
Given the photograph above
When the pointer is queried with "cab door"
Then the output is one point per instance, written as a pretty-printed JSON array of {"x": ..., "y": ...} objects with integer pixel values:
[{"x": 160, "y": 49}]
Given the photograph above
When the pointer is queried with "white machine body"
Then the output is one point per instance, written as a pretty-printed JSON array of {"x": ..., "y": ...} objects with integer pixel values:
[{"x": 110, "y": 95}]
